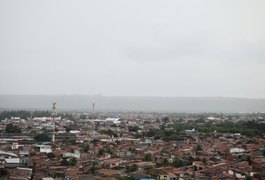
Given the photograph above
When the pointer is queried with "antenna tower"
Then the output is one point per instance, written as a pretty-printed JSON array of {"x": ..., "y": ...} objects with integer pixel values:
[
  {"x": 53, "y": 119},
  {"x": 93, "y": 105}
]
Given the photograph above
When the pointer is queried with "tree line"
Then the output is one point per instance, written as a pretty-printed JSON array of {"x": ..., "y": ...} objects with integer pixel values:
[
  {"x": 31, "y": 114},
  {"x": 176, "y": 131}
]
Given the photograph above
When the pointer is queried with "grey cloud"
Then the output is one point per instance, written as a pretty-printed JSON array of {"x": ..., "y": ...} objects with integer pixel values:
[
  {"x": 197, "y": 49},
  {"x": 152, "y": 47}
]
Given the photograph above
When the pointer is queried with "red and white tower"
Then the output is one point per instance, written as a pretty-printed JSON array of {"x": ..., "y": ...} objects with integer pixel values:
[
  {"x": 53, "y": 118},
  {"x": 93, "y": 112}
]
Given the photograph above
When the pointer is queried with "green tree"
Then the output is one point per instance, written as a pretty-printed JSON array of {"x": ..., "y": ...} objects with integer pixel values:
[
  {"x": 109, "y": 132},
  {"x": 189, "y": 161},
  {"x": 109, "y": 151},
  {"x": 10, "y": 128},
  {"x": 133, "y": 128},
  {"x": 131, "y": 168},
  {"x": 198, "y": 148},
  {"x": 248, "y": 178},
  {"x": 50, "y": 155},
  {"x": 68, "y": 128},
  {"x": 10, "y": 114},
  {"x": 93, "y": 168},
  {"x": 43, "y": 137},
  {"x": 41, "y": 114},
  {"x": 204, "y": 160},
  {"x": 68, "y": 161},
  {"x": 132, "y": 150},
  {"x": 165, "y": 119},
  {"x": 83, "y": 116},
  {"x": 177, "y": 163},
  {"x": 85, "y": 147},
  {"x": 126, "y": 178},
  {"x": 165, "y": 162},
  {"x": 101, "y": 152},
  {"x": 94, "y": 141},
  {"x": 148, "y": 157},
  {"x": 32, "y": 153},
  {"x": 73, "y": 161}
]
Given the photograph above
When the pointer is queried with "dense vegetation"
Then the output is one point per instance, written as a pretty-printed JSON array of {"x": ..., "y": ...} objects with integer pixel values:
[
  {"x": 133, "y": 128},
  {"x": 10, "y": 114},
  {"x": 167, "y": 130},
  {"x": 28, "y": 114},
  {"x": 68, "y": 161},
  {"x": 44, "y": 137},
  {"x": 249, "y": 128},
  {"x": 131, "y": 168},
  {"x": 176, "y": 130},
  {"x": 109, "y": 132},
  {"x": 10, "y": 128}
]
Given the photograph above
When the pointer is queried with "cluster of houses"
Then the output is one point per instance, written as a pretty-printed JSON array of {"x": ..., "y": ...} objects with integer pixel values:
[{"x": 109, "y": 149}]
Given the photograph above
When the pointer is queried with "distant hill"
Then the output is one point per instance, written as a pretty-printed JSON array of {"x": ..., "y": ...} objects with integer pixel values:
[{"x": 125, "y": 103}]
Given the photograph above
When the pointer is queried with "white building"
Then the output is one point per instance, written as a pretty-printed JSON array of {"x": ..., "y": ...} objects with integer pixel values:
[
  {"x": 236, "y": 150},
  {"x": 76, "y": 154},
  {"x": 44, "y": 148}
]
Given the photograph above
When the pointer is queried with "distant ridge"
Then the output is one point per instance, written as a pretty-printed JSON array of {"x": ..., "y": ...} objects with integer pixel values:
[{"x": 127, "y": 103}]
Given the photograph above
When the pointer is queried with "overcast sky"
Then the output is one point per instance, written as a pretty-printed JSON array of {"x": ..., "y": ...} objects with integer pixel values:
[{"x": 136, "y": 48}]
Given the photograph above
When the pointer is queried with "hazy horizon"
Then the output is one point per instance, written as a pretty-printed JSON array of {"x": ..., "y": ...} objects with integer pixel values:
[
  {"x": 129, "y": 103},
  {"x": 133, "y": 48},
  {"x": 232, "y": 97}
]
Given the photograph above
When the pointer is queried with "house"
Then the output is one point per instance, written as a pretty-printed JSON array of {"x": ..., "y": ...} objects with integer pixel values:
[
  {"x": 71, "y": 173},
  {"x": 113, "y": 162},
  {"x": 198, "y": 165},
  {"x": 44, "y": 148},
  {"x": 163, "y": 177},
  {"x": 108, "y": 172},
  {"x": 20, "y": 173},
  {"x": 9, "y": 160},
  {"x": 142, "y": 165},
  {"x": 24, "y": 157},
  {"x": 76, "y": 154},
  {"x": 236, "y": 174},
  {"x": 15, "y": 145},
  {"x": 236, "y": 150}
]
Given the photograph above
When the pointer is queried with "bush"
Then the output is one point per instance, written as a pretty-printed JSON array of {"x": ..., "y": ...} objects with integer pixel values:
[
  {"x": 43, "y": 137},
  {"x": 10, "y": 128},
  {"x": 50, "y": 155},
  {"x": 131, "y": 168},
  {"x": 101, "y": 152},
  {"x": 133, "y": 128},
  {"x": 148, "y": 157},
  {"x": 109, "y": 132},
  {"x": 178, "y": 163},
  {"x": 68, "y": 161}
]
